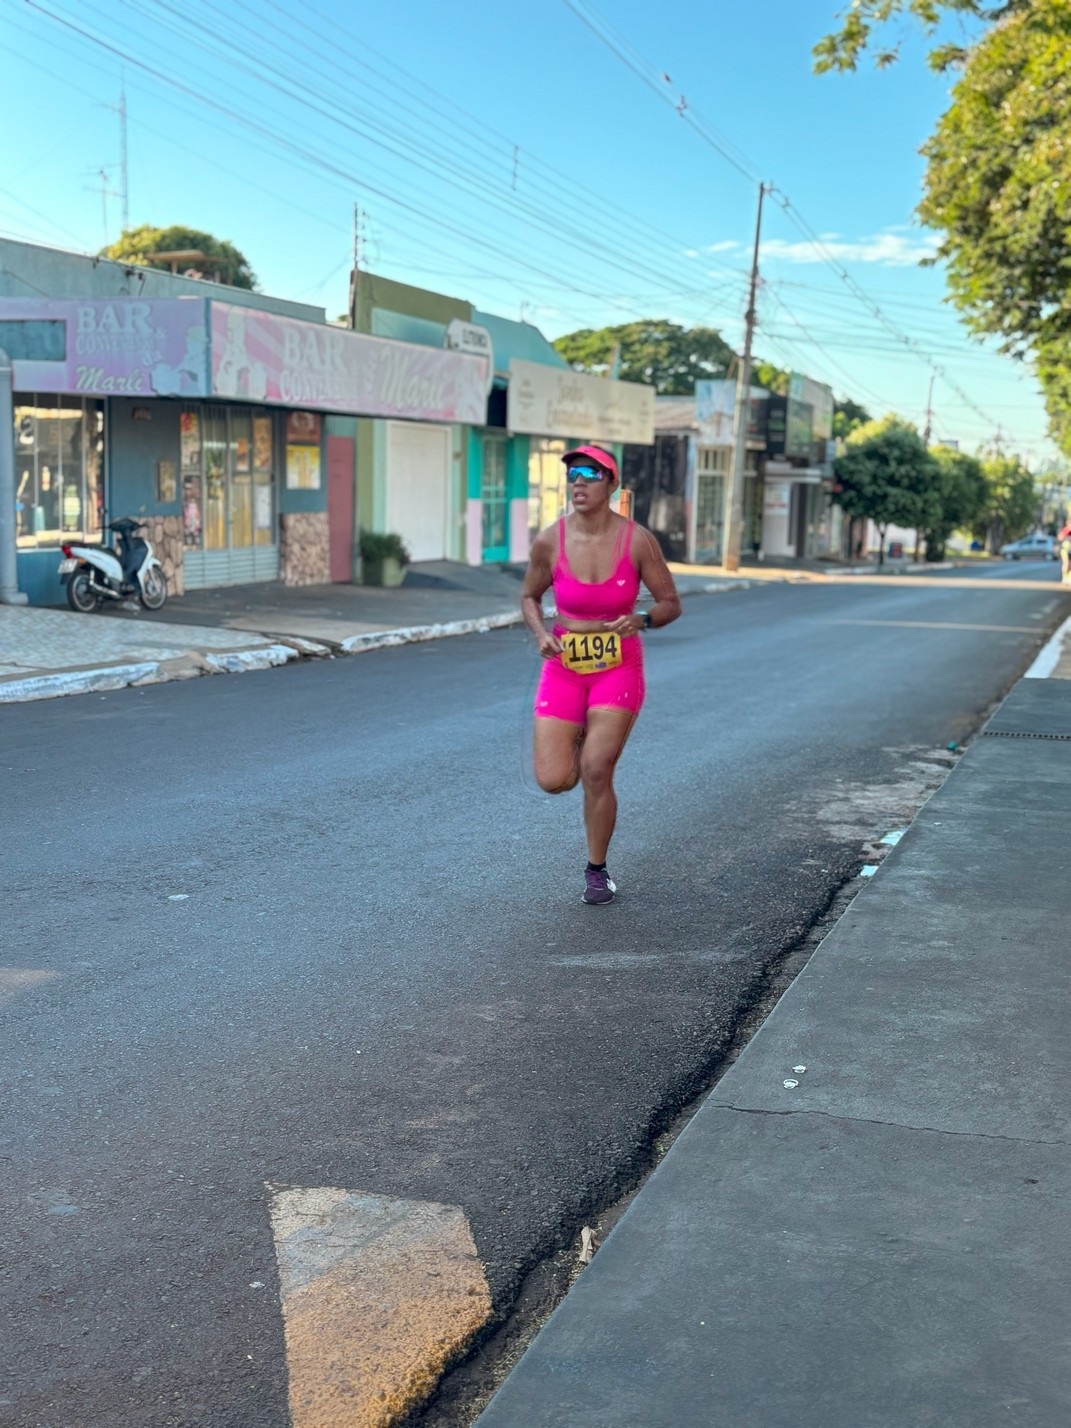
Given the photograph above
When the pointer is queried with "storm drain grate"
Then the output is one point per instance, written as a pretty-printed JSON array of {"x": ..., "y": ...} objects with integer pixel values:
[{"x": 1020, "y": 734}]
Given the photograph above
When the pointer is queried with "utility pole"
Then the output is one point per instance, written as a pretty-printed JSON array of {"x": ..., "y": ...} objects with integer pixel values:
[
  {"x": 929, "y": 414},
  {"x": 123, "y": 161},
  {"x": 124, "y": 164},
  {"x": 355, "y": 275},
  {"x": 742, "y": 414},
  {"x": 926, "y": 444},
  {"x": 9, "y": 544}
]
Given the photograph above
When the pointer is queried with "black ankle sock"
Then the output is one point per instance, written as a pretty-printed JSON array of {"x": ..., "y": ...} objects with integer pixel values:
[{"x": 596, "y": 867}]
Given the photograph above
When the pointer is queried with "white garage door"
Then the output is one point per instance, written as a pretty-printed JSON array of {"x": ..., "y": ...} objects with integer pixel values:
[{"x": 418, "y": 487}]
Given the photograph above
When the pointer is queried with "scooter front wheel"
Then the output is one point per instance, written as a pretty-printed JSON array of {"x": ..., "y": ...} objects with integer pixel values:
[
  {"x": 80, "y": 594},
  {"x": 153, "y": 589}
]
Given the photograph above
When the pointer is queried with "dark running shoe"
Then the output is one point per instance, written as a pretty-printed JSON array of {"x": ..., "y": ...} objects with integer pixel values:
[{"x": 600, "y": 887}]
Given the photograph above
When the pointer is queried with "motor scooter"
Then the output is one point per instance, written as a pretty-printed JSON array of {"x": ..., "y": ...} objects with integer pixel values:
[{"x": 94, "y": 573}]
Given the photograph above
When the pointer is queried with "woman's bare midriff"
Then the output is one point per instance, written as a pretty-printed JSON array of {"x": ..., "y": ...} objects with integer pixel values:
[{"x": 585, "y": 627}]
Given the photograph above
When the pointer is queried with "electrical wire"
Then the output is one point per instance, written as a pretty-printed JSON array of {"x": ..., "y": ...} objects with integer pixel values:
[
  {"x": 604, "y": 32},
  {"x": 303, "y": 154}
]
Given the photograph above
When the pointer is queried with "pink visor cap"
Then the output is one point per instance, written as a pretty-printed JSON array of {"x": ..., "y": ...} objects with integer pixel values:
[{"x": 596, "y": 454}]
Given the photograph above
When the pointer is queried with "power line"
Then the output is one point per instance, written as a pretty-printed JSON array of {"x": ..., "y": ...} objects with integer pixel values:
[
  {"x": 318, "y": 160},
  {"x": 747, "y": 168}
]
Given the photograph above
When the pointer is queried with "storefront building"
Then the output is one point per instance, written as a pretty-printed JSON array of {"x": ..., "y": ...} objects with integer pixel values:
[
  {"x": 482, "y": 496},
  {"x": 681, "y": 487},
  {"x": 230, "y": 431}
]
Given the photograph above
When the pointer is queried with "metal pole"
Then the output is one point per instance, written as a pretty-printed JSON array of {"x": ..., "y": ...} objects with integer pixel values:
[
  {"x": 123, "y": 161},
  {"x": 9, "y": 560},
  {"x": 741, "y": 415}
]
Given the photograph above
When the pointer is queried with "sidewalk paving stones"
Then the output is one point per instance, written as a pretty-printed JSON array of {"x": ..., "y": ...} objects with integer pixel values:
[{"x": 862, "y": 1223}]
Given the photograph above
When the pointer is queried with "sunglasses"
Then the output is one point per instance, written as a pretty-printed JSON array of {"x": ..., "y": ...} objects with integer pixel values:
[{"x": 584, "y": 473}]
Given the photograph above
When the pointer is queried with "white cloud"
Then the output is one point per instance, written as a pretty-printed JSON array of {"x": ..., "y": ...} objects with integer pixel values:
[
  {"x": 691, "y": 252},
  {"x": 890, "y": 249},
  {"x": 725, "y": 246}
]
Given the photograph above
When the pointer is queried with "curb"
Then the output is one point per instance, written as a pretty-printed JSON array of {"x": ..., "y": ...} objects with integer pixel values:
[
  {"x": 78, "y": 681},
  {"x": 416, "y": 634},
  {"x": 1048, "y": 657}
]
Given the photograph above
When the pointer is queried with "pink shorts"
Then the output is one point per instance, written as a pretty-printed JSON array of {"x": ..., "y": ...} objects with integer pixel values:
[{"x": 563, "y": 694}]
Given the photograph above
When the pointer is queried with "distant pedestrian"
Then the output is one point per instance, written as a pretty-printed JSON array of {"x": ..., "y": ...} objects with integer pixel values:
[
  {"x": 1063, "y": 541},
  {"x": 592, "y": 685}
]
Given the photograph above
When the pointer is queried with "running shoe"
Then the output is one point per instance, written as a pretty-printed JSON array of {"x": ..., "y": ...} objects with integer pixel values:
[{"x": 600, "y": 887}]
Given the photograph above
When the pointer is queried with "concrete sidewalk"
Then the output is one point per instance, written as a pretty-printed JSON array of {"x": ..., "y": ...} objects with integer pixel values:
[
  {"x": 866, "y": 1222},
  {"x": 49, "y": 652}
]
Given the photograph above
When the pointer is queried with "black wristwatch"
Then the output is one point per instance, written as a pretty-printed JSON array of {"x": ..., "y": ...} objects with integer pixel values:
[{"x": 645, "y": 615}]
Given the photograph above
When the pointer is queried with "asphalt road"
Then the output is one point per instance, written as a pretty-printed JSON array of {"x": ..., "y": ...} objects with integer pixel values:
[{"x": 380, "y": 976}]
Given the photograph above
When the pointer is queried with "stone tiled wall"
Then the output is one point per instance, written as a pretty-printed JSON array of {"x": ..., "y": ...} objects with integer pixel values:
[
  {"x": 304, "y": 552},
  {"x": 164, "y": 533}
]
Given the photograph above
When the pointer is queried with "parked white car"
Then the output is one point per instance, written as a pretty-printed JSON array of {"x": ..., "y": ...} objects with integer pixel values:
[{"x": 1032, "y": 547}]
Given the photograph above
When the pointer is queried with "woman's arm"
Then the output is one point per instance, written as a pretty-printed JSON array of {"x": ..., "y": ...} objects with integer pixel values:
[
  {"x": 655, "y": 574},
  {"x": 537, "y": 581}
]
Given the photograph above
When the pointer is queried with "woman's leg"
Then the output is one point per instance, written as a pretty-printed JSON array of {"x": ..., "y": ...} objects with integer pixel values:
[
  {"x": 607, "y": 733},
  {"x": 557, "y": 767}
]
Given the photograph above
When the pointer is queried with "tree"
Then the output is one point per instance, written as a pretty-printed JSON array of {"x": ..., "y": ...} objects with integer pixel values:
[
  {"x": 136, "y": 245},
  {"x": 843, "y": 49},
  {"x": 998, "y": 182},
  {"x": 848, "y": 416},
  {"x": 885, "y": 474},
  {"x": 663, "y": 354},
  {"x": 998, "y": 185},
  {"x": 775, "y": 379},
  {"x": 1011, "y": 501},
  {"x": 961, "y": 496}
]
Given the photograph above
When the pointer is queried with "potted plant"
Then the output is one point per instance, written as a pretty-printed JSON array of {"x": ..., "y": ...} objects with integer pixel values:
[{"x": 383, "y": 558}]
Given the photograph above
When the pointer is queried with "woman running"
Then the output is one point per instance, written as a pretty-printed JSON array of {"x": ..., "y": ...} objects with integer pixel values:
[{"x": 591, "y": 689}]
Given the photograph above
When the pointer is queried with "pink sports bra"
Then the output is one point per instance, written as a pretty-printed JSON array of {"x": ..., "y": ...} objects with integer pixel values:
[{"x": 603, "y": 600}]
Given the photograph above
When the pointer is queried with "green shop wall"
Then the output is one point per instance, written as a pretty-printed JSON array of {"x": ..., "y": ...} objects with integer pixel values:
[{"x": 515, "y": 515}]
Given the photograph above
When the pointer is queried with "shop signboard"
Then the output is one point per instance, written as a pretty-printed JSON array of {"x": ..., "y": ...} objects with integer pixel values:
[
  {"x": 107, "y": 347},
  {"x": 474, "y": 338},
  {"x": 552, "y": 401},
  {"x": 776, "y": 419},
  {"x": 819, "y": 398},
  {"x": 260, "y": 357},
  {"x": 775, "y": 498},
  {"x": 715, "y": 405},
  {"x": 799, "y": 426}
]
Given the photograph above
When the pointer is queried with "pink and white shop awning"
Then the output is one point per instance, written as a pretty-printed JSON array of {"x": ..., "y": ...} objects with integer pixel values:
[{"x": 200, "y": 348}]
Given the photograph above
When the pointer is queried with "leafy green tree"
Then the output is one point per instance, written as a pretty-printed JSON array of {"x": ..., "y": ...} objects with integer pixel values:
[
  {"x": 848, "y": 416},
  {"x": 1011, "y": 502},
  {"x": 775, "y": 379},
  {"x": 885, "y": 474},
  {"x": 844, "y": 48},
  {"x": 962, "y": 491},
  {"x": 137, "y": 244},
  {"x": 998, "y": 185},
  {"x": 662, "y": 354},
  {"x": 998, "y": 180}
]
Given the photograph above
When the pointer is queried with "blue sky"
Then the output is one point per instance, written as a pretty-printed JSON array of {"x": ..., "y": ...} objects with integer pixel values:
[{"x": 502, "y": 153}]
